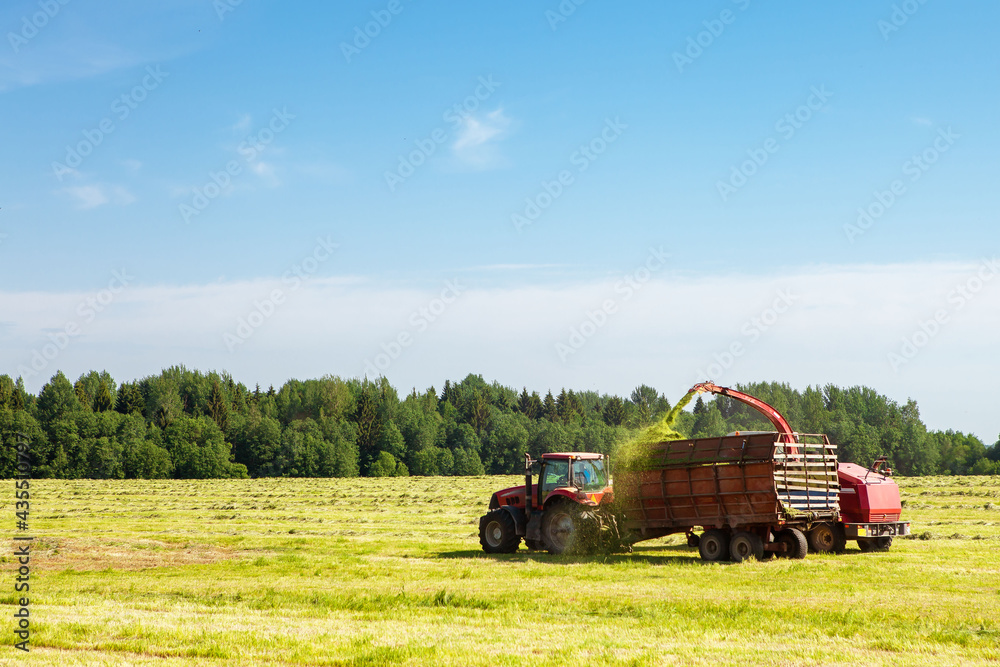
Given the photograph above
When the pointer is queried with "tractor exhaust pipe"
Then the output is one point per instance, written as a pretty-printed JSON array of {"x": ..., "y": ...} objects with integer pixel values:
[{"x": 528, "y": 495}]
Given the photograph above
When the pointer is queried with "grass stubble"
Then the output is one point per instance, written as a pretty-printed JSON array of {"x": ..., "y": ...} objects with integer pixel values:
[{"x": 389, "y": 571}]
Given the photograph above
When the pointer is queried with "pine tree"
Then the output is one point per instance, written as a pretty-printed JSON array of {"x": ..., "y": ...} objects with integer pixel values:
[
  {"x": 549, "y": 409},
  {"x": 102, "y": 401},
  {"x": 614, "y": 412},
  {"x": 218, "y": 407},
  {"x": 85, "y": 399}
]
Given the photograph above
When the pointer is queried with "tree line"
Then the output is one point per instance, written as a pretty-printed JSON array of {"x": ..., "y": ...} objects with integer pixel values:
[{"x": 187, "y": 424}]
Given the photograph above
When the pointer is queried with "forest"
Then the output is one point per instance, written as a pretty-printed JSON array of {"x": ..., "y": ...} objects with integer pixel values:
[{"x": 187, "y": 424}]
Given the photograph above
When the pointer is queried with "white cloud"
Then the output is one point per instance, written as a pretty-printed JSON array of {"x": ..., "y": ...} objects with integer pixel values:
[
  {"x": 92, "y": 196},
  {"x": 242, "y": 126},
  {"x": 476, "y": 143},
  {"x": 842, "y": 324}
]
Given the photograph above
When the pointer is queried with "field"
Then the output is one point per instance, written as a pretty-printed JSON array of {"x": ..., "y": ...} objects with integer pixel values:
[{"x": 384, "y": 572}]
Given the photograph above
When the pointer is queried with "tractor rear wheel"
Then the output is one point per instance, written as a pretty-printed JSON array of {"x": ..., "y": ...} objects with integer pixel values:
[
  {"x": 713, "y": 545},
  {"x": 569, "y": 529},
  {"x": 744, "y": 546},
  {"x": 822, "y": 538},
  {"x": 795, "y": 541},
  {"x": 498, "y": 533},
  {"x": 534, "y": 545}
]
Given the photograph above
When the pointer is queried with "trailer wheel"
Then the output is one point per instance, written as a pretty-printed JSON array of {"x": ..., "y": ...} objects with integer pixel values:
[
  {"x": 713, "y": 545},
  {"x": 746, "y": 545},
  {"x": 497, "y": 533},
  {"x": 796, "y": 542},
  {"x": 822, "y": 538}
]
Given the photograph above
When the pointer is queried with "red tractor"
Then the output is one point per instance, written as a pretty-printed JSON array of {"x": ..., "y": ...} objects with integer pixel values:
[{"x": 559, "y": 513}]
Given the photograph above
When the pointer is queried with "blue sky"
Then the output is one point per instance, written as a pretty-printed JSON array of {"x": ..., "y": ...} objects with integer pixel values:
[{"x": 740, "y": 138}]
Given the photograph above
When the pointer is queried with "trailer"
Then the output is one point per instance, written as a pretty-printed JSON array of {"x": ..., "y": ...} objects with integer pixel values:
[{"x": 752, "y": 495}]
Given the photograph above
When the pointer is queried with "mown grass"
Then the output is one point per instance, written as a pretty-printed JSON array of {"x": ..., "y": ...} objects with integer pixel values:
[{"x": 387, "y": 572}]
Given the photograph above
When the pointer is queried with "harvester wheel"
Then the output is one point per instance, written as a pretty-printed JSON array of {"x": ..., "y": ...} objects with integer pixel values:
[
  {"x": 568, "y": 529},
  {"x": 796, "y": 542},
  {"x": 744, "y": 545},
  {"x": 822, "y": 538},
  {"x": 713, "y": 545},
  {"x": 497, "y": 533},
  {"x": 867, "y": 544},
  {"x": 839, "y": 539}
]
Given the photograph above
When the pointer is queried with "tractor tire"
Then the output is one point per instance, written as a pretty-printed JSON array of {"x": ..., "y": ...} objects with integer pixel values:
[
  {"x": 822, "y": 538},
  {"x": 534, "y": 545},
  {"x": 744, "y": 545},
  {"x": 498, "y": 533},
  {"x": 796, "y": 542},
  {"x": 713, "y": 545},
  {"x": 569, "y": 529}
]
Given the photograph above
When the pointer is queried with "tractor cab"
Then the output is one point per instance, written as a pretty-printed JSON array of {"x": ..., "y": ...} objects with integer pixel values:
[{"x": 579, "y": 476}]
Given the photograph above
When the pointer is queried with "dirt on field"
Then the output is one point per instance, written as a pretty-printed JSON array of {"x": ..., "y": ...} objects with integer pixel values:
[{"x": 88, "y": 554}]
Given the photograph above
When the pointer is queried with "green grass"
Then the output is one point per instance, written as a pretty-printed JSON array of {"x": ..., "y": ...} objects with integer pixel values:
[{"x": 389, "y": 572}]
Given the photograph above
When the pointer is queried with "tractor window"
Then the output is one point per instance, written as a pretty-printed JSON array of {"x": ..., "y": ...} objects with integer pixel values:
[
  {"x": 590, "y": 475},
  {"x": 556, "y": 475}
]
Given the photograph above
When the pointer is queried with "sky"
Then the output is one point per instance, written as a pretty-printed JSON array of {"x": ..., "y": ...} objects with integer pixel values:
[{"x": 578, "y": 194}]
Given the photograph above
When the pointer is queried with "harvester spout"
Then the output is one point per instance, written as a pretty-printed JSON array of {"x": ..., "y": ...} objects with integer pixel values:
[{"x": 772, "y": 415}]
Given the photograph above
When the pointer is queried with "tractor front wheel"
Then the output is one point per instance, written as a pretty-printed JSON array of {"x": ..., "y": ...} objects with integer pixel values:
[
  {"x": 498, "y": 533},
  {"x": 569, "y": 529}
]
